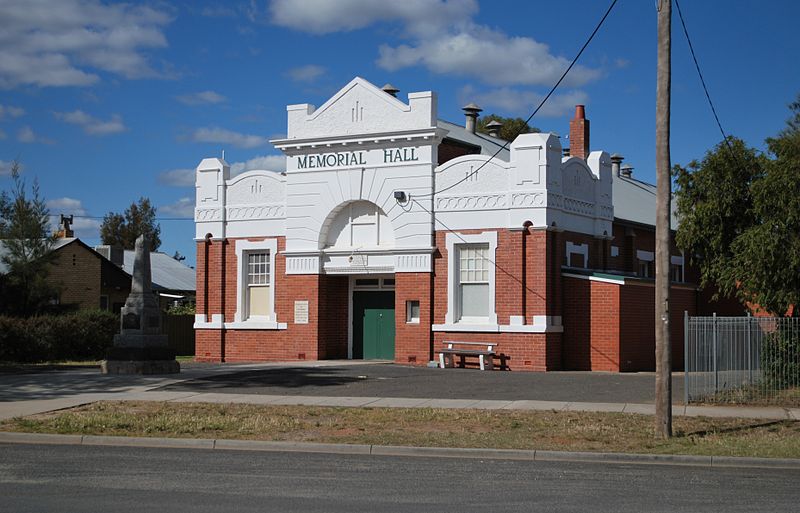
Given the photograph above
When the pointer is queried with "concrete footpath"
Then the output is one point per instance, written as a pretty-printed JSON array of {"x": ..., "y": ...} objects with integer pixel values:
[{"x": 31, "y": 393}]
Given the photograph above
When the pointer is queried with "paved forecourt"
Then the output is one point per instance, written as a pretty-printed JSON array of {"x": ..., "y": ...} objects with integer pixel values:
[{"x": 355, "y": 384}]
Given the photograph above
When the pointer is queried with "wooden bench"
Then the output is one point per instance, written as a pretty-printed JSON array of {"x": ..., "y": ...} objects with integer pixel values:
[{"x": 485, "y": 355}]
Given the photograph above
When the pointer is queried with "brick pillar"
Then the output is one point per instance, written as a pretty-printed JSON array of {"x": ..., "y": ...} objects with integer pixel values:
[
  {"x": 412, "y": 342},
  {"x": 629, "y": 249},
  {"x": 209, "y": 343}
]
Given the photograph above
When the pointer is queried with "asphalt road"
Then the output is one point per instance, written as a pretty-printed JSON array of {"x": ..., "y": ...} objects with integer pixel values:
[
  {"x": 40, "y": 478},
  {"x": 381, "y": 380}
]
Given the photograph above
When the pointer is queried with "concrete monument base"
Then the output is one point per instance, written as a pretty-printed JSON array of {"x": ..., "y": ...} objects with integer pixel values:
[
  {"x": 140, "y": 347},
  {"x": 139, "y": 367}
]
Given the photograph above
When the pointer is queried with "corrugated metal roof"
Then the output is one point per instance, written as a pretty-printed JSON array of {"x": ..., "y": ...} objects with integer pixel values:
[
  {"x": 60, "y": 243},
  {"x": 635, "y": 201},
  {"x": 488, "y": 145},
  {"x": 167, "y": 273}
]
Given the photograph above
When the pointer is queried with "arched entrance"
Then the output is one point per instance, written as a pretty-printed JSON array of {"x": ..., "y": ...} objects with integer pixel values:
[{"x": 362, "y": 233}]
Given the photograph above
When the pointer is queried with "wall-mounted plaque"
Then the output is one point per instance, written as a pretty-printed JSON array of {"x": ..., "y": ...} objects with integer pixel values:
[{"x": 301, "y": 312}]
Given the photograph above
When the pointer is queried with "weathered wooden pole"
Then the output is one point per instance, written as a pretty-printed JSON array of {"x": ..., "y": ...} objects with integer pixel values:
[{"x": 663, "y": 417}]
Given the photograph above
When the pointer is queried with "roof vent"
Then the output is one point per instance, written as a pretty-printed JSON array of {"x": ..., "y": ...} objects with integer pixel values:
[
  {"x": 626, "y": 170},
  {"x": 390, "y": 89},
  {"x": 471, "y": 111},
  {"x": 494, "y": 127},
  {"x": 616, "y": 160}
]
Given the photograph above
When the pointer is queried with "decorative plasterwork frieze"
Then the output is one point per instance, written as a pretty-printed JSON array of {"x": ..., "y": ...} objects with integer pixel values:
[
  {"x": 411, "y": 263},
  {"x": 302, "y": 265},
  {"x": 245, "y": 212},
  {"x": 207, "y": 214},
  {"x": 578, "y": 206},
  {"x": 528, "y": 199},
  {"x": 472, "y": 202}
]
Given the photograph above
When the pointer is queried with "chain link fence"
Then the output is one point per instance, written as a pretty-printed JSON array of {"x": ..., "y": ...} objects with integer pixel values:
[{"x": 742, "y": 360}]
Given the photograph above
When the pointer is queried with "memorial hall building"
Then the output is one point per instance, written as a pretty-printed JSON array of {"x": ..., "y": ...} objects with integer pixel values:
[{"x": 392, "y": 231}]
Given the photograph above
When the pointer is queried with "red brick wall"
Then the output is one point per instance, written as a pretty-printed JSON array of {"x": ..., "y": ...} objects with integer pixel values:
[
  {"x": 413, "y": 341},
  {"x": 298, "y": 341},
  {"x": 611, "y": 327},
  {"x": 637, "y": 325},
  {"x": 522, "y": 351},
  {"x": 333, "y": 315},
  {"x": 591, "y": 325}
]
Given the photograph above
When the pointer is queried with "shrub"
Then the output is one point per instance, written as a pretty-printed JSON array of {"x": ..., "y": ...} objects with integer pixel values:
[
  {"x": 83, "y": 335},
  {"x": 780, "y": 359}
]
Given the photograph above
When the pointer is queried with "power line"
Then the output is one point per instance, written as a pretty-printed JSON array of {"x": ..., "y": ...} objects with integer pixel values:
[
  {"x": 156, "y": 219},
  {"x": 703, "y": 82},
  {"x": 541, "y": 104}
]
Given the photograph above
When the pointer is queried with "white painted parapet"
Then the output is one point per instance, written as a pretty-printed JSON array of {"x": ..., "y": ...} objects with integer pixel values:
[{"x": 537, "y": 185}]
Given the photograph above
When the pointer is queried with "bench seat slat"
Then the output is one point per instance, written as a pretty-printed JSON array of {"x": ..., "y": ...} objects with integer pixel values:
[{"x": 466, "y": 351}]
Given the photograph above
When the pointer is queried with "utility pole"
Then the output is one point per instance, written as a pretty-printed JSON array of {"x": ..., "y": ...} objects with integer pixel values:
[{"x": 663, "y": 193}]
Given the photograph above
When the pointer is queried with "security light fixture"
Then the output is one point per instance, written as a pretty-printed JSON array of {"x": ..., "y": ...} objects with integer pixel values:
[{"x": 400, "y": 196}]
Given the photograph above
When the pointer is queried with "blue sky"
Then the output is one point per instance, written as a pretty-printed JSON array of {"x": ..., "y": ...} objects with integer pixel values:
[{"x": 104, "y": 102}]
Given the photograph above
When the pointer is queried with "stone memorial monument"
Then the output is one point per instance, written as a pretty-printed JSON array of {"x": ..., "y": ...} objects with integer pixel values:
[{"x": 140, "y": 348}]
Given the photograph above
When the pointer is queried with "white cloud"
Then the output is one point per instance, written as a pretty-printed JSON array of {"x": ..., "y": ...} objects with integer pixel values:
[
  {"x": 82, "y": 226},
  {"x": 177, "y": 177},
  {"x": 27, "y": 135},
  {"x": 441, "y": 37},
  {"x": 307, "y": 73},
  {"x": 223, "y": 136},
  {"x": 487, "y": 55},
  {"x": 184, "y": 207},
  {"x": 201, "y": 98},
  {"x": 266, "y": 162},
  {"x": 10, "y": 111},
  {"x": 324, "y": 16},
  {"x": 65, "y": 42},
  {"x": 518, "y": 102},
  {"x": 92, "y": 125}
]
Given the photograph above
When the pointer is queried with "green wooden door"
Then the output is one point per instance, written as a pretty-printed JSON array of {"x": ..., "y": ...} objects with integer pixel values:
[{"x": 373, "y": 325}]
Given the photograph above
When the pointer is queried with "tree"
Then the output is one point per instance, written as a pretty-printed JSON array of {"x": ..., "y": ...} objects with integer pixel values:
[
  {"x": 123, "y": 229},
  {"x": 767, "y": 256},
  {"x": 715, "y": 206},
  {"x": 512, "y": 127},
  {"x": 28, "y": 249},
  {"x": 740, "y": 219}
]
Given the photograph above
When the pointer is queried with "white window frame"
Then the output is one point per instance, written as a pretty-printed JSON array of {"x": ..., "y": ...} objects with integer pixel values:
[
  {"x": 644, "y": 257},
  {"x": 678, "y": 261},
  {"x": 453, "y": 241},
  {"x": 580, "y": 249},
  {"x": 243, "y": 248}
]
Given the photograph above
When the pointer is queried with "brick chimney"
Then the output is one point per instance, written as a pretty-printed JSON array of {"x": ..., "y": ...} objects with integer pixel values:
[
  {"x": 579, "y": 133},
  {"x": 64, "y": 228}
]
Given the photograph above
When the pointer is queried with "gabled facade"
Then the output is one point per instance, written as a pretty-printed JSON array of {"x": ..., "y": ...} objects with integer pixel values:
[{"x": 371, "y": 245}]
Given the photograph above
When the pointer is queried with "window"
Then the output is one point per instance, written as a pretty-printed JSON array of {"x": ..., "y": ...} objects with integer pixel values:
[
  {"x": 576, "y": 255},
  {"x": 103, "y": 302},
  {"x": 646, "y": 263},
  {"x": 473, "y": 281},
  {"x": 676, "y": 269},
  {"x": 412, "y": 312},
  {"x": 255, "y": 287},
  {"x": 258, "y": 283}
]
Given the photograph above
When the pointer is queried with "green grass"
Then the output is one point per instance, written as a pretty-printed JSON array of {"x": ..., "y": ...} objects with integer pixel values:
[{"x": 504, "y": 429}]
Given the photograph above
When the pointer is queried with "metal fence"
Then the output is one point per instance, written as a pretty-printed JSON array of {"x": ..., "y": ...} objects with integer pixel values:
[{"x": 742, "y": 359}]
